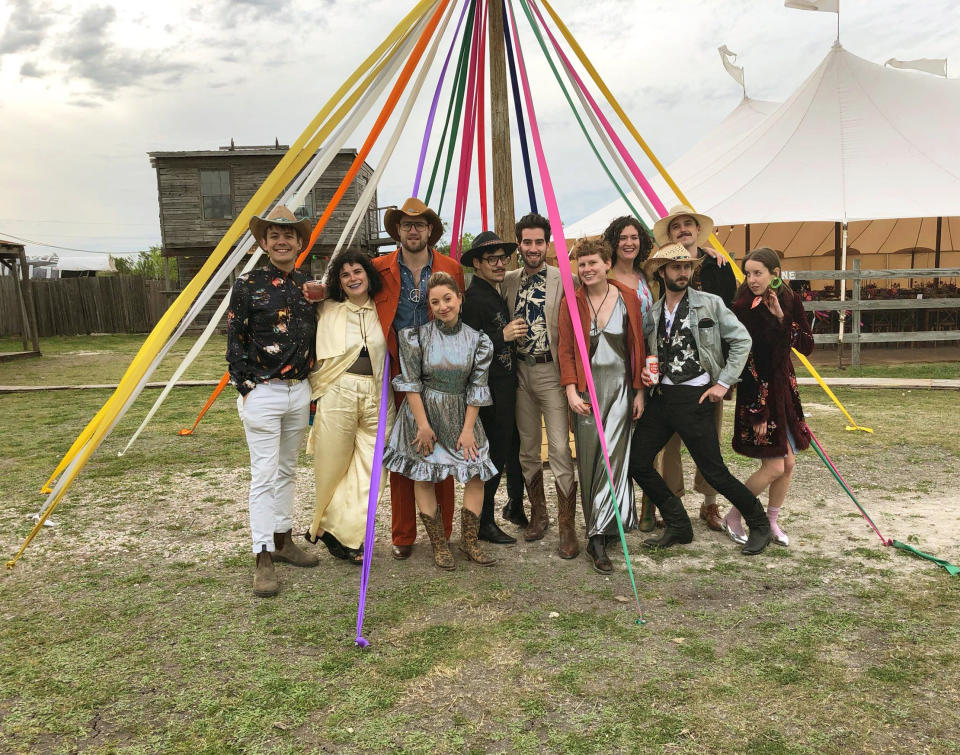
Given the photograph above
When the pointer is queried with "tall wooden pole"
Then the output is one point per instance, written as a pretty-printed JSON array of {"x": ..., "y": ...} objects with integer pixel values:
[{"x": 503, "y": 210}]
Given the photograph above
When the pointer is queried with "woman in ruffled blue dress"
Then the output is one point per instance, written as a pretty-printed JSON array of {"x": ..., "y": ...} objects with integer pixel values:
[{"x": 438, "y": 433}]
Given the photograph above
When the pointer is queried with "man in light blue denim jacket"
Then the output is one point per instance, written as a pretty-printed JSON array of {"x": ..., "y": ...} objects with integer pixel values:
[{"x": 686, "y": 329}]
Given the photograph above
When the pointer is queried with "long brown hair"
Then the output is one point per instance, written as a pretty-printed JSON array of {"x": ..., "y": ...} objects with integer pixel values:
[{"x": 770, "y": 260}]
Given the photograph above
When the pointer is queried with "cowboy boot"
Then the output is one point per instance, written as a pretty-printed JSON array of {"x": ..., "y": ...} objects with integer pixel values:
[
  {"x": 469, "y": 524},
  {"x": 648, "y": 514},
  {"x": 678, "y": 528},
  {"x": 711, "y": 515},
  {"x": 290, "y": 553},
  {"x": 596, "y": 549},
  {"x": 442, "y": 556},
  {"x": 760, "y": 533},
  {"x": 538, "y": 509},
  {"x": 513, "y": 512},
  {"x": 566, "y": 522},
  {"x": 265, "y": 582},
  {"x": 489, "y": 530}
]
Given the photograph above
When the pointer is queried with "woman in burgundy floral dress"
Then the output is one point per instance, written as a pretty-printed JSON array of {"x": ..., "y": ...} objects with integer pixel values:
[{"x": 769, "y": 421}]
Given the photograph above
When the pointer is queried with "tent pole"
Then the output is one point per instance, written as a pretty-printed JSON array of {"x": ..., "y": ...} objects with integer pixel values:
[
  {"x": 746, "y": 241},
  {"x": 843, "y": 292},
  {"x": 936, "y": 251},
  {"x": 503, "y": 207}
]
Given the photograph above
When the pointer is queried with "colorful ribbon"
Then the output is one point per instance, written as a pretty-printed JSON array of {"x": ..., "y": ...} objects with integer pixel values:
[
  {"x": 563, "y": 258},
  {"x": 518, "y": 112},
  {"x": 372, "y": 499}
]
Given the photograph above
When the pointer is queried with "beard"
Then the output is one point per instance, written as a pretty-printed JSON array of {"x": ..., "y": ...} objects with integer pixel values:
[
  {"x": 416, "y": 247},
  {"x": 675, "y": 285}
]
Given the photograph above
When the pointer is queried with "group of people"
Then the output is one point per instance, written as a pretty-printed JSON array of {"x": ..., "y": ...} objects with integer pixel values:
[{"x": 481, "y": 374}]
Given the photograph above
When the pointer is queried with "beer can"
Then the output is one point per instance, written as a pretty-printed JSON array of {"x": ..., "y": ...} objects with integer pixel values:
[{"x": 653, "y": 367}]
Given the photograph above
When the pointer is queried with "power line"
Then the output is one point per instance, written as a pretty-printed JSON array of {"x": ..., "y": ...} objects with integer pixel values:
[{"x": 54, "y": 246}]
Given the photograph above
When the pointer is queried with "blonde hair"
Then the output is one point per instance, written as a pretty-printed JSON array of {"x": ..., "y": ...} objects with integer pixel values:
[
  {"x": 443, "y": 279},
  {"x": 597, "y": 245}
]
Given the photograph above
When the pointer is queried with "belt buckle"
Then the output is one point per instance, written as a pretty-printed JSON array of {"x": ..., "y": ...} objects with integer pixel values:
[{"x": 530, "y": 359}]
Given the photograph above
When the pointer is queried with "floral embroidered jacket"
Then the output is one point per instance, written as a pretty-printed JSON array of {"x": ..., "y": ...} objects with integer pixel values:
[{"x": 768, "y": 387}]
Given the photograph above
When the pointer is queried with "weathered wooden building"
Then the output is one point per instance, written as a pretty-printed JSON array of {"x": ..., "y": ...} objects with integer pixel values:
[{"x": 201, "y": 192}]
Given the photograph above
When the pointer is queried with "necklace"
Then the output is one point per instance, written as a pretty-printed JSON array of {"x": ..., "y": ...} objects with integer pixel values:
[
  {"x": 596, "y": 312},
  {"x": 363, "y": 336}
]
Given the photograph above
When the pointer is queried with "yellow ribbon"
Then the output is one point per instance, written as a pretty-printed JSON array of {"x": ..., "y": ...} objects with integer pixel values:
[
  {"x": 714, "y": 241},
  {"x": 288, "y": 167}
]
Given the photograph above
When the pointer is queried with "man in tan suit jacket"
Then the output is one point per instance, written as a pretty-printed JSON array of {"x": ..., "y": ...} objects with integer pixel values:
[{"x": 535, "y": 293}]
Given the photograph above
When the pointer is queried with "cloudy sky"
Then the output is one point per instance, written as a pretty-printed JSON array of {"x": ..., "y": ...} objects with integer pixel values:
[{"x": 88, "y": 88}]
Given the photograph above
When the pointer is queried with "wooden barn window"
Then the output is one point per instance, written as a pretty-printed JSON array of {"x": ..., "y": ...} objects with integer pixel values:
[
  {"x": 215, "y": 194},
  {"x": 306, "y": 211}
]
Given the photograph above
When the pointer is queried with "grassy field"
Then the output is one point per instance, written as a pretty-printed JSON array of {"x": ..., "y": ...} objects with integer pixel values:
[{"x": 130, "y": 625}]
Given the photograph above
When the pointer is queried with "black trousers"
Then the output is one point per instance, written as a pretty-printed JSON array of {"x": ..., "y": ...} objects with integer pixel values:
[
  {"x": 500, "y": 425},
  {"x": 675, "y": 409}
]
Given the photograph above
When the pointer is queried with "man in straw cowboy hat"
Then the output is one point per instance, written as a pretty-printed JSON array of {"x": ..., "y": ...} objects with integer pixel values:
[
  {"x": 485, "y": 310},
  {"x": 403, "y": 301},
  {"x": 689, "y": 331},
  {"x": 715, "y": 276},
  {"x": 271, "y": 330}
]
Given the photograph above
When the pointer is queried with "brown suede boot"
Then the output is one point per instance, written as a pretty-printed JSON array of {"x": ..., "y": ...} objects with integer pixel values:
[
  {"x": 566, "y": 522},
  {"x": 538, "y": 509},
  {"x": 442, "y": 556},
  {"x": 469, "y": 524},
  {"x": 265, "y": 582},
  {"x": 711, "y": 515},
  {"x": 290, "y": 553}
]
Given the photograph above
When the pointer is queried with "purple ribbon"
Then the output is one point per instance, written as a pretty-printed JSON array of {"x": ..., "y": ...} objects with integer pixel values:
[
  {"x": 433, "y": 105},
  {"x": 376, "y": 473}
]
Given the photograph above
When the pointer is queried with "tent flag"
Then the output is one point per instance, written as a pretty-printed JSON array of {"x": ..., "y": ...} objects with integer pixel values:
[
  {"x": 936, "y": 66},
  {"x": 735, "y": 71},
  {"x": 824, "y": 6}
]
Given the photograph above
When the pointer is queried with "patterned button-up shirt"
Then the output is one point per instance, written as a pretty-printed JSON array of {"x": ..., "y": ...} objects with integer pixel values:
[
  {"x": 531, "y": 306},
  {"x": 271, "y": 328},
  {"x": 412, "y": 308}
]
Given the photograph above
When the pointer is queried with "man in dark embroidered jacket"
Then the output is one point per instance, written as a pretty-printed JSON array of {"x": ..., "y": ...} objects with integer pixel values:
[
  {"x": 688, "y": 330},
  {"x": 271, "y": 330},
  {"x": 485, "y": 310}
]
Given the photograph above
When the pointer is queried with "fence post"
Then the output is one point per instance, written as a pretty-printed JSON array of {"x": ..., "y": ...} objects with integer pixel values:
[{"x": 855, "y": 315}]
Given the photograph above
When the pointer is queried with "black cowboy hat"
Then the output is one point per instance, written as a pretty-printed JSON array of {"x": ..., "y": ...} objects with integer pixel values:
[{"x": 483, "y": 242}]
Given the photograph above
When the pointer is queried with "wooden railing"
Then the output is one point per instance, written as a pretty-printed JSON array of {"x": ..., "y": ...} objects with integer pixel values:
[{"x": 856, "y": 304}]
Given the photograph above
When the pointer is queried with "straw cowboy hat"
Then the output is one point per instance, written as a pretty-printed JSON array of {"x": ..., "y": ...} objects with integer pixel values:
[
  {"x": 662, "y": 226},
  {"x": 280, "y": 216},
  {"x": 667, "y": 254},
  {"x": 414, "y": 208},
  {"x": 486, "y": 241}
]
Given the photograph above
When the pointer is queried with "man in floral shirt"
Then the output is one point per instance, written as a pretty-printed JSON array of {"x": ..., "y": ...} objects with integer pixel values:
[{"x": 271, "y": 330}]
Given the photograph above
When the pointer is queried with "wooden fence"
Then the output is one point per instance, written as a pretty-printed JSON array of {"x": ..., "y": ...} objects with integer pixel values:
[
  {"x": 80, "y": 306},
  {"x": 856, "y": 305}
]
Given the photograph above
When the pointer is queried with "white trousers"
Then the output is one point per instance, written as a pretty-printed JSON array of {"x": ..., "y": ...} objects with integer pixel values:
[{"x": 275, "y": 417}]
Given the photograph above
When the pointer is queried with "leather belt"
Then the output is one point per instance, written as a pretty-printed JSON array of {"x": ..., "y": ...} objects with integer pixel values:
[
  {"x": 291, "y": 381},
  {"x": 532, "y": 359}
]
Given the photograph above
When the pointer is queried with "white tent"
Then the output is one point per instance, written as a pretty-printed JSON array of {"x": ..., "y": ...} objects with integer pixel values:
[{"x": 856, "y": 141}]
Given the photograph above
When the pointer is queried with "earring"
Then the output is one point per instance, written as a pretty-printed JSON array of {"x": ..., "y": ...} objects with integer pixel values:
[{"x": 776, "y": 283}]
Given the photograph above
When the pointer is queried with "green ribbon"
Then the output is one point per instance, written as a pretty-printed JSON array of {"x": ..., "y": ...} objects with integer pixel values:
[{"x": 952, "y": 570}]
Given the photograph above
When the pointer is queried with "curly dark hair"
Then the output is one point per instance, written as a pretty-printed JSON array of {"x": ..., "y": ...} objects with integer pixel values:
[
  {"x": 612, "y": 237},
  {"x": 532, "y": 220},
  {"x": 356, "y": 257}
]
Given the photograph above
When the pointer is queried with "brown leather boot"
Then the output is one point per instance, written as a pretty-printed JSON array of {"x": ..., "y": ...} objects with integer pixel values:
[
  {"x": 442, "y": 556},
  {"x": 566, "y": 522},
  {"x": 469, "y": 524},
  {"x": 290, "y": 553},
  {"x": 265, "y": 582},
  {"x": 538, "y": 509},
  {"x": 711, "y": 515}
]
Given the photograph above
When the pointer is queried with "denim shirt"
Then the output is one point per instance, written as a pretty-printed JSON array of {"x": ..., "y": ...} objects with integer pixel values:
[{"x": 410, "y": 313}]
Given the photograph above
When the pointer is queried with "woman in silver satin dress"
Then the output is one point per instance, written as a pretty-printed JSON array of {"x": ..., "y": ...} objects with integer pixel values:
[
  {"x": 438, "y": 433},
  {"x": 610, "y": 318}
]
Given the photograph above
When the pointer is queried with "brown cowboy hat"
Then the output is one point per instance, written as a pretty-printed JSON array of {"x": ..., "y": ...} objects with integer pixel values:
[
  {"x": 485, "y": 241},
  {"x": 281, "y": 216},
  {"x": 661, "y": 227},
  {"x": 414, "y": 208},
  {"x": 666, "y": 254}
]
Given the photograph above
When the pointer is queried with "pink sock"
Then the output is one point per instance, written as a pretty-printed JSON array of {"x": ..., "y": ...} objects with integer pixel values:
[
  {"x": 772, "y": 514},
  {"x": 734, "y": 521}
]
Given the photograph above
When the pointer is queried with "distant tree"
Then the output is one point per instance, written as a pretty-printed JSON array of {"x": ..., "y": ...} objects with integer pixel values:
[
  {"x": 148, "y": 264},
  {"x": 466, "y": 241}
]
